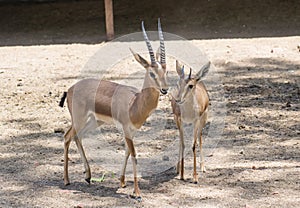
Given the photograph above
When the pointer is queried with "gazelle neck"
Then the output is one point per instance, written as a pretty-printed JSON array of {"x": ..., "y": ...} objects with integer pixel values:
[
  {"x": 143, "y": 105},
  {"x": 147, "y": 82}
]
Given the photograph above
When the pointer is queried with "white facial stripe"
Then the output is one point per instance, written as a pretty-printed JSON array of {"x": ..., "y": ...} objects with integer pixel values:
[
  {"x": 160, "y": 76},
  {"x": 159, "y": 65}
]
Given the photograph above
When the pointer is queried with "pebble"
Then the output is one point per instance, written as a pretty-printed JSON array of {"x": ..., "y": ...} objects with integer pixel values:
[
  {"x": 59, "y": 130},
  {"x": 165, "y": 158}
]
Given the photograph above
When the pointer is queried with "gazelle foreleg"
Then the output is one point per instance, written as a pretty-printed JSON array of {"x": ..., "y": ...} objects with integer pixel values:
[
  {"x": 180, "y": 164},
  {"x": 122, "y": 178},
  {"x": 203, "y": 120},
  {"x": 130, "y": 146},
  {"x": 67, "y": 142},
  {"x": 195, "y": 131}
]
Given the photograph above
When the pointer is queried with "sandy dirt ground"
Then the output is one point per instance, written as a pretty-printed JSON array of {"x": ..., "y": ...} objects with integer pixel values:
[{"x": 253, "y": 46}]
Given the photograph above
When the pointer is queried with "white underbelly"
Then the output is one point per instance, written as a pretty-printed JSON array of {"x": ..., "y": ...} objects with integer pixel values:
[
  {"x": 128, "y": 127},
  {"x": 105, "y": 119}
]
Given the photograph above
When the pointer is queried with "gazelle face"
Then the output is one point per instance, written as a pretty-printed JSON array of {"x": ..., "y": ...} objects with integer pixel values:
[
  {"x": 185, "y": 88},
  {"x": 158, "y": 77}
]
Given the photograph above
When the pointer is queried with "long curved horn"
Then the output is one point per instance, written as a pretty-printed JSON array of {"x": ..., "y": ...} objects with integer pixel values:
[
  {"x": 162, "y": 44},
  {"x": 190, "y": 74},
  {"x": 148, "y": 45}
]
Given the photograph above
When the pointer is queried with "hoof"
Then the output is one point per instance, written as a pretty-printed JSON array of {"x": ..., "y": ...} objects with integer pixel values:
[
  {"x": 88, "y": 180},
  {"x": 122, "y": 182},
  {"x": 202, "y": 168},
  {"x": 137, "y": 198},
  {"x": 66, "y": 182},
  {"x": 195, "y": 179}
]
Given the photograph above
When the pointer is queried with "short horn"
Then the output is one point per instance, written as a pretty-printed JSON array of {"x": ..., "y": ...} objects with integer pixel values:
[
  {"x": 151, "y": 53},
  {"x": 182, "y": 72},
  {"x": 162, "y": 44},
  {"x": 190, "y": 74}
]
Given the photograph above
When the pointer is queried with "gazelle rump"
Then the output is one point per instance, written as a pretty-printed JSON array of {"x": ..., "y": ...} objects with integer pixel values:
[
  {"x": 190, "y": 105},
  {"x": 93, "y": 102}
]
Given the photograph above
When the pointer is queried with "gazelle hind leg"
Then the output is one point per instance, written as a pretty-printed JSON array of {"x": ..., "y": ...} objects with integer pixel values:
[
  {"x": 71, "y": 134},
  {"x": 82, "y": 125},
  {"x": 67, "y": 141},
  {"x": 87, "y": 169},
  {"x": 91, "y": 124}
]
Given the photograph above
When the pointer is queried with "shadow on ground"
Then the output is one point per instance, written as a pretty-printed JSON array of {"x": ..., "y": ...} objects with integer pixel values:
[
  {"x": 264, "y": 105},
  {"x": 83, "y": 21}
]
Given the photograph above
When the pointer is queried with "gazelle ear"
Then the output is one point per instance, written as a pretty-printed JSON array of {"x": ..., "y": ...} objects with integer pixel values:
[
  {"x": 179, "y": 69},
  {"x": 140, "y": 59},
  {"x": 203, "y": 71}
]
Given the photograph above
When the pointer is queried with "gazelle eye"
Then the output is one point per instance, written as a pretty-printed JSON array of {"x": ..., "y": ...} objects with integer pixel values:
[
  {"x": 152, "y": 75},
  {"x": 191, "y": 86}
]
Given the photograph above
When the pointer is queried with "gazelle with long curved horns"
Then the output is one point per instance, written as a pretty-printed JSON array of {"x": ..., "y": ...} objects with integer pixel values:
[
  {"x": 190, "y": 105},
  {"x": 93, "y": 102}
]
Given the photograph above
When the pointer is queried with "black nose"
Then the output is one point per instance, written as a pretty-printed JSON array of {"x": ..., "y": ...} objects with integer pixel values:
[{"x": 163, "y": 91}]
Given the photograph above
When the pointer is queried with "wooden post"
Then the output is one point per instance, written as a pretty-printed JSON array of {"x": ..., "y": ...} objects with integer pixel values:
[{"x": 109, "y": 19}]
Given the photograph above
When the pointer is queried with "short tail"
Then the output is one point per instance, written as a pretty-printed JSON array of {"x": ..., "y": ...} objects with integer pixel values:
[{"x": 63, "y": 98}]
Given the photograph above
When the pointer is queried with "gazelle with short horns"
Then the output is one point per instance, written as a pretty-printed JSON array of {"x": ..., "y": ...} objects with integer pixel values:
[
  {"x": 93, "y": 102},
  {"x": 190, "y": 105}
]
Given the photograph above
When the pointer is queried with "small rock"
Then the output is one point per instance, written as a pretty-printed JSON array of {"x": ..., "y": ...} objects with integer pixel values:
[
  {"x": 165, "y": 158},
  {"x": 19, "y": 84},
  {"x": 242, "y": 127},
  {"x": 238, "y": 110},
  {"x": 254, "y": 86},
  {"x": 59, "y": 131}
]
